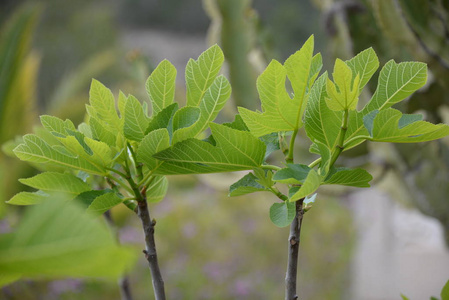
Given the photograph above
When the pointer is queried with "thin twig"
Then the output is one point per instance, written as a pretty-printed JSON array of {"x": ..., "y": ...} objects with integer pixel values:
[
  {"x": 150, "y": 247},
  {"x": 293, "y": 251}
]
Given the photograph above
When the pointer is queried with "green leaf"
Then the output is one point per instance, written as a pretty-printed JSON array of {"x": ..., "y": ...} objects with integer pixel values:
[
  {"x": 36, "y": 150},
  {"x": 100, "y": 133},
  {"x": 350, "y": 177},
  {"x": 385, "y": 128},
  {"x": 279, "y": 110},
  {"x": 301, "y": 75},
  {"x": 157, "y": 189},
  {"x": 54, "y": 182},
  {"x": 397, "y": 82},
  {"x": 271, "y": 142},
  {"x": 234, "y": 151},
  {"x": 85, "y": 199},
  {"x": 238, "y": 123},
  {"x": 57, "y": 126},
  {"x": 343, "y": 94},
  {"x": 293, "y": 174},
  {"x": 404, "y": 298},
  {"x": 201, "y": 73},
  {"x": 27, "y": 198},
  {"x": 103, "y": 106},
  {"x": 151, "y": 144},
  {"x": 185, "y": 117},
  {"x": 246, "y": 185},
  {"x": 136, "y": 121},
  {"x": 163, "y": 119},
  {"x": 356, "y": 129},
  {"x": 445, "y": 291},
  {"x": 103, "y": 203},
  {"x": 213, "y": 101},
  {"x": 161, "y": 86},
  {"x": 57, "y": 239},
  {"x": 321, "y": 123},
  {"x": 282, "y": 214},
  {"x": 310, "y": 185},
  {"x": 365, "y": 64}
]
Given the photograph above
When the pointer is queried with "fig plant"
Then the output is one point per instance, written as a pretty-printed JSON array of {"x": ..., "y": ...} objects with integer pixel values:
[{"x": 133, "y": 151}]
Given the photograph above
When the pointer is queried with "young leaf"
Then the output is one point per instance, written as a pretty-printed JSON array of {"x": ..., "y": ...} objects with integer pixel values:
[
  {"x": 213, "y": 101},
  {"x": 396, "y": 82},
  {"x": 57, "y": 238},
  {"x": 85, "y": 199},
  {"x": 27, "y": 198},
  {"x": 348, "y": 177},
  {"x": 100, "y": 133},
  {"x": 386, "y": 128},
  {"x": 103, "y": 104},
  {"x": 356, "y": 129},
  {"x": 343, "y": 94},
  {"x": 185, "y": 117},
  {"x": 56, "y": 126},
  {"x": 301, "y": 75},
  {"x": 163, "y": 119},
  {"x": 201, "y": 73},
  {"x": 103, "y": 203},
  {"x": 151, "y": 144},
  {"x": 161, "y": 85},
  {"x": 234, "y": 151},
  {"x": 282, "y": 214},
  {"x": 321, "y": 123},
  {"x": 279, "y": 111},
  {"x": 57, "y": 182},
  {"x": 246, "y": 185},
  {"x": 365, "y": 64},
  {"x": 34, "y": 149},
  {"x": 293, "y": 174},
  {"x": 136, "y": 121},
  {"x": 157, "y": 189},
  {"x": 310, "y": 185}
]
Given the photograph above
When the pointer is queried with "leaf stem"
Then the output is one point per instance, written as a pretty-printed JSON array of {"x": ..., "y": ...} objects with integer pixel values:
[
  {"x": 360, "y": 137},
  {"x": 293, "y": 252},
  {"x": 341, "y": 138},
  {"x": 289, "y": 158},
  {"x": 270, "y": 167},
  {"x": 278, "y": 193},
  {"x": 120, "y": 182},
  {"x": 315, "y": 162}
]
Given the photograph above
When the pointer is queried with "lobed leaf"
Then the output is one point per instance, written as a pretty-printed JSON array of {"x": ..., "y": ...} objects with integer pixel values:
[
  {"x": 344, "y": 91},
  {"x": 397, "y": 82},
  {"x": 365, "y": 64},
  {"x": 201, "y": 73},
  {"x": 234, "y": 151},
  {"x": 161, "y": 85},
  {"x": 136, "y": 122},
  {"x": 321, "y": 123},
  {"x": 212, "y": 103}
]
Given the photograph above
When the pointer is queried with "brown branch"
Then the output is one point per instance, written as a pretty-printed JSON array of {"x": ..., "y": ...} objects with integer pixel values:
[
  {"x": 293, "y": 251},
  {"x": 150, "y": 247}
]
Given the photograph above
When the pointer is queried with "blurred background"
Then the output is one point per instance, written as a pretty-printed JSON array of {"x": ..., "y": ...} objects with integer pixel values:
[{"x": 356, "y": 244}]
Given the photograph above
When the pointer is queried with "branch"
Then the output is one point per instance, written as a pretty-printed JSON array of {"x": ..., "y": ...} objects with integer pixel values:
[
  {"x": 150, "y": 247},
  {"x": 293, "y": 250}
]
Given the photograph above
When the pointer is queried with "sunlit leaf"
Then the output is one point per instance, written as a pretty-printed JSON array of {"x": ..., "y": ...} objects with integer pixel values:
[
  {"x": 103, "y": 203},
  {"x": 343, "y": 92},
  {"x": 136, "y": 121},
  {"x": 350, "y": 177},
  {"x": 310, "y": 185},
  {"x": 157, "y": 189},
  {"x": 102, "y": 104},
  {"x": 57, "y": 182},
  {"x": 365, "y": 64},
  {"x": 27, "y": 198},
  {"x": 151, "y": 144},
  {"x": 201, "y": 73},
  {"x": 161, "y": 86},
  {"x": 234, "y": 151}
]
